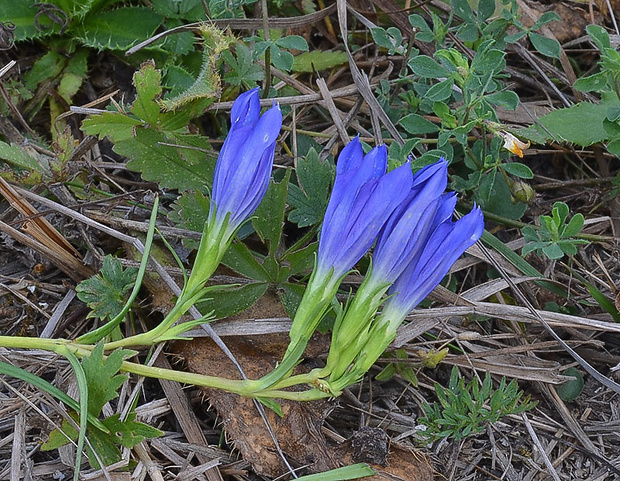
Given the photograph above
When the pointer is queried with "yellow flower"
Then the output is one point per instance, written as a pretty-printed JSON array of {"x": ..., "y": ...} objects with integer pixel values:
[{"x": 513, "y": 144}]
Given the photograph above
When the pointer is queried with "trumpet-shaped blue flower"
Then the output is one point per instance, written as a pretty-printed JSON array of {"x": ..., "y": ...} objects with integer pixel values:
[
  {"x": 241, "y": 179},
  {"x": 244, "y": 165},
  {"x": 362, "y": 199},
  {"x": 445, "y": 244}
]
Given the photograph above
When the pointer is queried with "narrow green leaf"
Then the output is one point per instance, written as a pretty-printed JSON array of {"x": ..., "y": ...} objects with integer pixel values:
[
  {"x": 354, "y": 471},
  {"x": 80, "y": 377},
  {"x": 36, "y": 381},
  {"x": 517, "y": 261}
]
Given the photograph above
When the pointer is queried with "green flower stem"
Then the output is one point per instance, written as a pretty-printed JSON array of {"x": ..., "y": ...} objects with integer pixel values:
[
  {"x": 214, "y": 242},
  {"x": 246, "y": 388},
  {"x": 45, "y": 344},
  {"x": 352, "y": 327},
  {"x": 315, "y": 302},
  {"x": 216, "y": 239},
  {"x": 158, "y": 334}
]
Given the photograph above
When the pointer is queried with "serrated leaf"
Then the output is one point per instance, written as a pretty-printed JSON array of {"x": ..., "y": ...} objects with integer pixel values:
[
  {"x": 106, "y": 293},
  {"x": 102, "y": 378},
  {"x": 130, "y": 432},
  {"x": 171, "y": 167},
  {"x": 118, "y": 29},
  {"x": 114, "y": 125},
  {"x": 24, "y": 158},
  {"x": 206, "y": 85},
  {"x": 309, "y": 199},
  {"x": 268, "y": 219},
  {"x": 22, "y": 15},
  {"x": 302, "y": 259},
  {"x": 190, "y": 211},
  {"x": 318, "y": 60},
  {"x": 291, "y": 296},
  {"x": 147, "y": 81},
  {"x": 187, "y": 9},
  {"x": 60, "y": 437},
  {"x": 49, "y": 66},
  {"x": 241, "y": 259},
  {"x": 416, "y": 124},
  {"x": 244, "y": 71}
]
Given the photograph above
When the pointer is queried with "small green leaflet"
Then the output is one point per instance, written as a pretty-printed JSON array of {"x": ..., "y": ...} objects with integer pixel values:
[
  {"x": 309, "y": 199},
  {"x": 106, "y": 292},
  {"x": 102, "y": 378}
]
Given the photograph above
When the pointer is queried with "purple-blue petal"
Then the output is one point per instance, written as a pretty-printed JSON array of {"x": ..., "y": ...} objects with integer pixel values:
[
  {"x": 246, "y": 109},
  {"x": 355, "y": 220},
  {"x": 445, "y": 245},
  {"x": 409, "y": 226},
  {"x": 244, "y": 164}
]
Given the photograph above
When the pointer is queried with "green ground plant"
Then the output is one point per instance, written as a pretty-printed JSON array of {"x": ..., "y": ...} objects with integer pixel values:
[{"x": 444, "y": 105}]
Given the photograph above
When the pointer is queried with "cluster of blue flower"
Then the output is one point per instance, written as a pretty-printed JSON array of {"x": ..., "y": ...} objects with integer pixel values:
[{"x": 407, "y": 217}]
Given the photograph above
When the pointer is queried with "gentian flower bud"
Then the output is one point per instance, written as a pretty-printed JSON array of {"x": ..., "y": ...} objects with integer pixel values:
[
  {"x": 401, "y": 240},
  {"x": 408, "y": 228},
  {"x": 244, "y": 165},
  {"x": 415, "y": 250},
  {"x": 241, "y": 179},
  {"x": 362, "y": 199}
]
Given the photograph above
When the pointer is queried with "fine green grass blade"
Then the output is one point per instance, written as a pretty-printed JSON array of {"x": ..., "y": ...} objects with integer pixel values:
[
  {"x": 80, "y": 377},
  {"x": 36, "y": 381},
  {"x": 355, "y": 471},
  {"x": 99, "y": 333}
]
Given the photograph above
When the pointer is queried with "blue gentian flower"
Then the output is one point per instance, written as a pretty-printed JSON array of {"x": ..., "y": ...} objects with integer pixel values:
[
  {"x": 244, "y": 165},
  {"x": 241, "y": 179},
  {"x": 362, "y": 199},
  {"x": 445, "y": 244},
  {"x": 406, "y": 231}
]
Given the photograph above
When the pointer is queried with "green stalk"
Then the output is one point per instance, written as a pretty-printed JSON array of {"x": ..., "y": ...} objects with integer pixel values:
[
  {"x": 314, "y": 304},
  {"x": 351, "y": 331}
]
